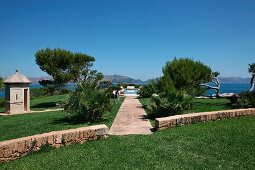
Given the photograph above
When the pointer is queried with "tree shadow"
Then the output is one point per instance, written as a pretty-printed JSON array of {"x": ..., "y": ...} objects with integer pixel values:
[
  {"x": 45, "y": 105},
  {"x": 70, "y": 120}
]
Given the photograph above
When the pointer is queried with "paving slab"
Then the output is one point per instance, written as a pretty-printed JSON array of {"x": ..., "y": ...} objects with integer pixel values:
[{"x": 131, "y": 119}]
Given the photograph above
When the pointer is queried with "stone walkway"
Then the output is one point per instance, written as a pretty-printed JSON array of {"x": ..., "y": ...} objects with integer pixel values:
[{"x": 131, "y": 119}]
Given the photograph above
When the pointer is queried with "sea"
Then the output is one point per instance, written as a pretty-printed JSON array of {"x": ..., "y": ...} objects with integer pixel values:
[{"x": 225, "y": 88}]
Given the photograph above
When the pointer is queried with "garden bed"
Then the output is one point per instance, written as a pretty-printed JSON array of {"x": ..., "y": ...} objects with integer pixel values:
[{"x": 16, "y": 126}]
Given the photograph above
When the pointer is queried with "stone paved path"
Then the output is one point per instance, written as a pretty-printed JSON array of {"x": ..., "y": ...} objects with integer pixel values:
[{"x": 131, "y": 119}]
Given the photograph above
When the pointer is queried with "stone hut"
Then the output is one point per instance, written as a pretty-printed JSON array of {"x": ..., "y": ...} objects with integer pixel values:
[{"x": 17, "y": 94}]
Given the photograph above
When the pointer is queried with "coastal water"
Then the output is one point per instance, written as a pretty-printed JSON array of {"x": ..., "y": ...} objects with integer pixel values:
[{"x": 225, "y": 88}]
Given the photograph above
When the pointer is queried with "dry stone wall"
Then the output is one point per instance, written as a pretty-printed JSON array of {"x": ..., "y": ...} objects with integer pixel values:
[
  {"x": 180, "y": 120},
  {"x": 15, "y": 148}
]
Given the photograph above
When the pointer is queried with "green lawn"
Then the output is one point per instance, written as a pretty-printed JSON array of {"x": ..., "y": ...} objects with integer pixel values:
[
  {"x": 16, "y": 126},
  {"x": 205, "y": 105},
  {"x": 48, "y": 102},
  {"x": 224, "y": 144},
  {"x": 199, "y": 105},
  {"x": 43, "y": 103}
]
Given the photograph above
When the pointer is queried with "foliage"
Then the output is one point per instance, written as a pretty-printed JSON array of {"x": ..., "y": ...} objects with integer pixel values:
[
  {"x": 246, "y": 100},
  {"x": 64, "y": 66},
  {"x": 124, "y": 85},
  {"x": 170, "y": 103},
  {"x": 38, "y": 92},
  {"x": 22, "y": 125},
  {"x": 65, "y": 91},
  {"x": 215, "y": 74},
  {"x": 186, "y": 74},
  {"x": 251, "y": 68},
  {"x": 2, "y": 102},
  {"x": 49, "y": 87},
  {"x": 88, "y": 103},
  {"x": 198, "y": 105},
  {"x": 1, "y": 83},
  {"x": 147, "y": 90}
]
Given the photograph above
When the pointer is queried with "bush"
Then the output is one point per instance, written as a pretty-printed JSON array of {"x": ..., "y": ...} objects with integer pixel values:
[
  {"x": 186, "y": 74},
  {"x": 64, "y": 91},
  {"x": 170, "y": 103},
  {"x": 246, "y": 100},
  {"x": 38, "y": 92},
  {"x": 2, "y": 102},
  {"x": 88, "y": 103},
  {"x": 147, "y": 90}
]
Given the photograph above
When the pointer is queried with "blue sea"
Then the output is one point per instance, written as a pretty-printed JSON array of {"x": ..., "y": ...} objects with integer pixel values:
[{"x": 225, "y": 88}]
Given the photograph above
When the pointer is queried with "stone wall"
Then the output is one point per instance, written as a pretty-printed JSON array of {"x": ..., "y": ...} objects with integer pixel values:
[
  {"x": 180, "y": 120},
  {"x": 15, "y": 148}
]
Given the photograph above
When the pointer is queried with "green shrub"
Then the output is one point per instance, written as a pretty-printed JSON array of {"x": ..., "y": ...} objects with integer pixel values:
[
  {"x": 88, "y": 102},
  {"x": 247, "y": 99},
  {"x": 186, "y": 74},
  {"x": 64, "y": 91},
  {"x": 38, "y": 92},
  {"x": 147, "y": 90},
  {"x": 170, "y": 103},
  {"x": 2, "y": 102}
]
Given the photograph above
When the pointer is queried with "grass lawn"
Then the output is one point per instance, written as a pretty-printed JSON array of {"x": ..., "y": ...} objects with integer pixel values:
[
  {"x": 16, "y": 126},
  {"x": 223, "y": 144},
  {"x": 199, "y": 105},
  {"x": 205, "y": 105},
  {"x": 49, "y": 102},
  {"x": 43, "y": 103}
]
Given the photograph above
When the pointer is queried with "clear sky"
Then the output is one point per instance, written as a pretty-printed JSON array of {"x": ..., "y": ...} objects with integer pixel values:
[{"x": 129, "y": 37}]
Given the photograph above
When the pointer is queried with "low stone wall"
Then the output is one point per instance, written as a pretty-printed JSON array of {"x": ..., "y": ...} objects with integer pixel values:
[
  {"x": 180, "y": 120},
  {"x": 12, "y": 149}
]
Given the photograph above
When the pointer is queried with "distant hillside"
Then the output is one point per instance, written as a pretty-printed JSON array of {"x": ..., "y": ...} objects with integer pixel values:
[
  {"x": 234, "y": 80},
  {"x": 122, "y": 79},
  {"x": 37, "y": 79},
  {"x": 125, "y": 79}
]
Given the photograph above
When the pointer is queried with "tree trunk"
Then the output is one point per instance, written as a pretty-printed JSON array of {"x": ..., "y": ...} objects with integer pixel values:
[
  {"x": 252, "y": 83},
  {"x": 216, "y": 88}
]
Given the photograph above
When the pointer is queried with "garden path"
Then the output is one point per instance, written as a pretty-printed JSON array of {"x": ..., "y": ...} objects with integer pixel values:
[{"x": 131, "y": 119}]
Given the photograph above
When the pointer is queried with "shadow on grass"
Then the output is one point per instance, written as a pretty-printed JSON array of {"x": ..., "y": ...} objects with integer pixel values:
[
  {"x": 45, "y": 105},
  {"x": 70, "y": 120}
]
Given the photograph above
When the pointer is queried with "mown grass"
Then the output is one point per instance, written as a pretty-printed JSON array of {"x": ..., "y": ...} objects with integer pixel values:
[
  {"x": 48, "y": 102},
  {"x": 224, "y": 144},
  {"x": 198, "y": 105},
  {"x": 16, "y": 126},
  {"x": 43, "y": 103},
  {"x": 206, "y": 105}
]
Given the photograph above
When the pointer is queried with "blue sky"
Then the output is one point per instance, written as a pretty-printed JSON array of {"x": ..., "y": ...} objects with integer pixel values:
[{"x": 129, "y": 37}]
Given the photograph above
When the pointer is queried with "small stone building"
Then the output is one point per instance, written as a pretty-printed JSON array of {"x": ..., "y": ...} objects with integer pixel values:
[{"x": 17, "y": 94}]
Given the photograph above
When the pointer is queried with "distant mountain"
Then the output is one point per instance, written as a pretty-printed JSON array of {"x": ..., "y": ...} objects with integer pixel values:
[
  {"x": 234, "y": 80},
  {"x": 37, "y": 79},
  {"x": 122, "y": 79},
  {"x": 125, "y": 79}
]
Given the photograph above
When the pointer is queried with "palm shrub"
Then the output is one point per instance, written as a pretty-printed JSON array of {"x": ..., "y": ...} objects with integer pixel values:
[
  {"x": 88, "y": 102},
  {"x": 247, "y": 99},
  {"x": 147, "y": 90},
  {"x": 170, "y": 103},
  {"x": 2, "y": 102}
]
